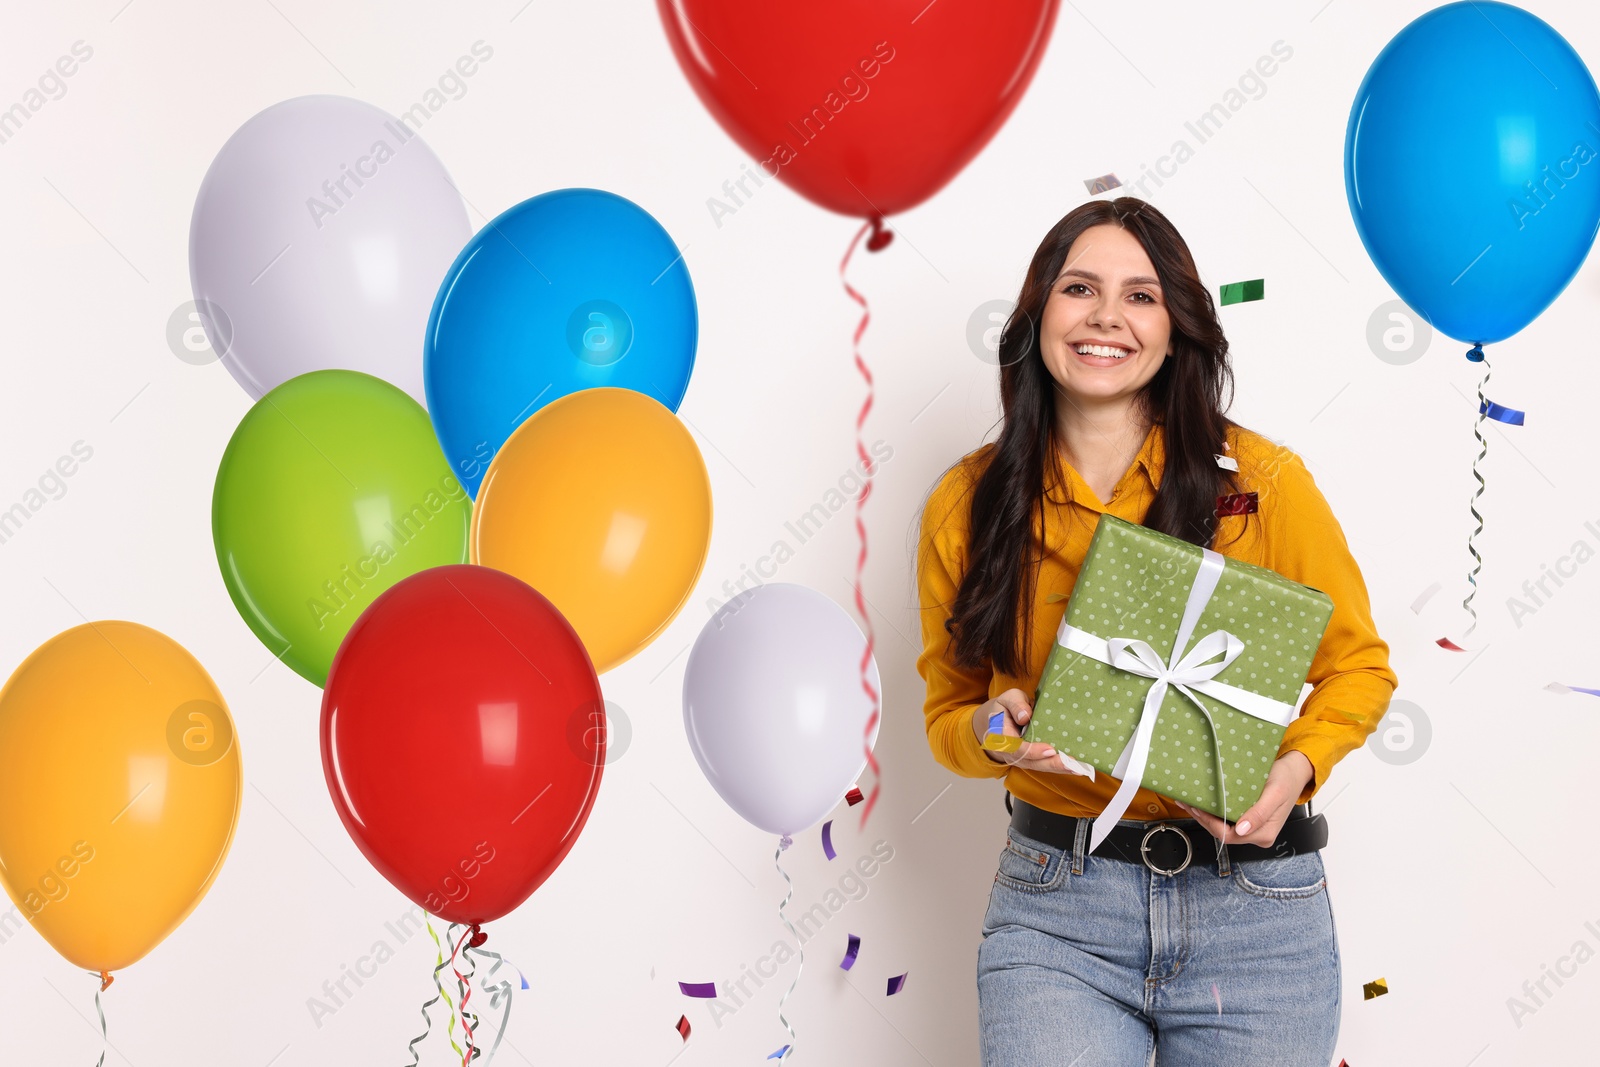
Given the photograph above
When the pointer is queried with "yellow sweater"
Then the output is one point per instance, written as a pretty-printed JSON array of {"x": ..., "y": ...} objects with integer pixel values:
[{"x": 1294, "y": 533}]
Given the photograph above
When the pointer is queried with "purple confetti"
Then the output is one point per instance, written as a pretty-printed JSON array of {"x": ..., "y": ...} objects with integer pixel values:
[
  {"x": 704, "y": 990},
  {"x": 827, "y": 840},
  {"x": 850, "y": 953},
  {"x": 778, "y": 1055},
  {"x": 1557, "y": 687},
  {"x": 897, "y": 983}
]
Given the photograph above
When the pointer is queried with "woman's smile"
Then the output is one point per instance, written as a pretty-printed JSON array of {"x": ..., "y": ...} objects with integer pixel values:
[{"x": 1101, "y": 355}]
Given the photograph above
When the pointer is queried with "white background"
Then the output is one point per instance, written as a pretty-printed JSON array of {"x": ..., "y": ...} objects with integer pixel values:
[{"x": 1456, "y": 877}]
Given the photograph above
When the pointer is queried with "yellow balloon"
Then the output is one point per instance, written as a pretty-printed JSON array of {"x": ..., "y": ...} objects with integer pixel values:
[
  {"x": 600, "y": 501},
  {"x": 119, "y": 790}
]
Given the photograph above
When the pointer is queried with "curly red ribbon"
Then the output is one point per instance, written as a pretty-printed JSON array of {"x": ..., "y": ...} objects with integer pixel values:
[{"x": 880, "y": 240}]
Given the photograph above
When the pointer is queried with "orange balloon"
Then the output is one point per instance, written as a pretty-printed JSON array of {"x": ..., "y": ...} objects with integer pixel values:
[
  {"x": 119, "y": 790},
  {"x": 600, "y": 501}
]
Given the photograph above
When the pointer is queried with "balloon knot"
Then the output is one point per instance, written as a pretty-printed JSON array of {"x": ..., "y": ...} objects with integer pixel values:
[
  {"x": 105, "y": 980},
  {"x": 880, "y": 235},
  {"x": 785, "y": 841},
  {"x": 478, "y": 936},
  {"x": 1475, "y": 353}
]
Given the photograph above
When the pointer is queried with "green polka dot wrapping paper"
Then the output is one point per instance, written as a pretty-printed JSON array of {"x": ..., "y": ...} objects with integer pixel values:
[{"x": 1139, "y": 584}]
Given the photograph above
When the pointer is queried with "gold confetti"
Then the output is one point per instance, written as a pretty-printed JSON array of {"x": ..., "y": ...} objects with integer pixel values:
[{"x": 1375, "y": 988}]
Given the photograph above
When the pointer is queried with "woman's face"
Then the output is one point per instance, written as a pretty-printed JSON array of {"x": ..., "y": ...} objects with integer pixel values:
[{"x": 1107, "y": 292}]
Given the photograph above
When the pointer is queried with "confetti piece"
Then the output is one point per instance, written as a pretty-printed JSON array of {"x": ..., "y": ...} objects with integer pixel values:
[
  {"x": 1509, "y": 416},
  {"x": 1557, "y": 687},
  {"x": 850, "y": 953},
  {"x": 1375, "y": 988},
  {"x": 1227, "y": 463},
  {"x": 1055, "y": 598},
  {"x": 1214, "y": 993},
  {"x": 1445, "y": 642},
  {"x": 1238, "y": 504},
  {"x": 897, "y": 983},
  {"x": 683, "y": 1026},
  {"x": 996, "y": 739},
  {"x": 827, "y": 840},
  {"x": 1103, "y": 184},
  {"x": 1242, "y": 292},
  {"x": 778, "y": 1055},
  {"x": 851, "y": 798},
  {"x": 1426, "y": 595},
  {"x": 704, "y": 990}
]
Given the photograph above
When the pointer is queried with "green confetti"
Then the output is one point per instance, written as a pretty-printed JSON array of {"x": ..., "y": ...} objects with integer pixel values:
[{"x": 1243, "y": 292}]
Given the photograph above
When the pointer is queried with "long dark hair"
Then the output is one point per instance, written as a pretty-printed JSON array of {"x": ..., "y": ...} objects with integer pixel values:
[{"x": 993, "y": 611}]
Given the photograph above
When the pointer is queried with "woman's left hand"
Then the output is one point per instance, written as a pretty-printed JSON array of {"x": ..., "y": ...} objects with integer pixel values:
[{"x": 1260, "y": 825}]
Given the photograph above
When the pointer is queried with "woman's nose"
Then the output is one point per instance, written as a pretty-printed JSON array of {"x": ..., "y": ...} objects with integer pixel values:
[{"x": 1105, "y": 314}]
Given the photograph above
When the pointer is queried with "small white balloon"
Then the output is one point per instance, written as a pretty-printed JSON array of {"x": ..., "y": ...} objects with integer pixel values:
[
  {"x": 774, "y": 706},
  {"x": 323, "y": 230}
]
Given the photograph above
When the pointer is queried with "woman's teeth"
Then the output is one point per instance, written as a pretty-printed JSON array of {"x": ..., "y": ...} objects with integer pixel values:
[{"x": 1102, "y": 350}]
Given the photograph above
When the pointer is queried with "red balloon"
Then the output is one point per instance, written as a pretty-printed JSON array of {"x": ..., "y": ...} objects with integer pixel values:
[
  {"x": 867, "y": 109},
  {"x": 448, "y": 739}
]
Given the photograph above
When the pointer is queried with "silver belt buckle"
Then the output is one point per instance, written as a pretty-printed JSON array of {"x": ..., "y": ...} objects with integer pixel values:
[{"x": 1144, "y": 848}]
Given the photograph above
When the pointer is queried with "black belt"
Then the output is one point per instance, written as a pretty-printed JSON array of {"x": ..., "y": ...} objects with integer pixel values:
[{"x": 1167, "y": 847}]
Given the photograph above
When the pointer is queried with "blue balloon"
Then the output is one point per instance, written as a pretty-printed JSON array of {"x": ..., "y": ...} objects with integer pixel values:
[
  {"x": 1472, "y": 167},
  {"x": 569, "y": 290}
]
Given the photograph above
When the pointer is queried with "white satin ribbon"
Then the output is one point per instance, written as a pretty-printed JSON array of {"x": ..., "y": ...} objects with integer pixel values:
[{"x": 1193, "y": 672}]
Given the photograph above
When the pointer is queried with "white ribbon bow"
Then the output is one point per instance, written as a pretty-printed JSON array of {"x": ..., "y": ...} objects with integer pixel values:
[{"x": 1190, "y": 673}]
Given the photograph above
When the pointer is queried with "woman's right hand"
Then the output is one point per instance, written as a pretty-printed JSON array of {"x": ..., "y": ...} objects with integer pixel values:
[{"x": 1031, "y": 755}]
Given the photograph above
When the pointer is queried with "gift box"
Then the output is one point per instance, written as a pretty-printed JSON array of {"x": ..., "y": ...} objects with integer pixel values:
[{"x": 1176, "y": 668}]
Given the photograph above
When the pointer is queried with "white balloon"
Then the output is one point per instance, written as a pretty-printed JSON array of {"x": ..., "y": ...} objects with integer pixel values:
[
  {"x": 774, "y": 708},
  {"x": 319, "y": 238}
]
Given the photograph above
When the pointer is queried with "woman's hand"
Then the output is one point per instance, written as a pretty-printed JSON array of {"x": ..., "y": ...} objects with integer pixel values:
[
  {"x": 1260, "y": 825},
  {"x": 1030, "y": 755}
]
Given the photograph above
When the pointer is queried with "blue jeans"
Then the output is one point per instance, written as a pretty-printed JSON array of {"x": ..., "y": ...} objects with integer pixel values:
[{"x": 1092, "y": 961}]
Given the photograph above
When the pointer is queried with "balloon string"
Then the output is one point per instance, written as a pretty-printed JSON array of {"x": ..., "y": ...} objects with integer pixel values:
[
  {"x": 1475, "y": 354},
  {"x": 464, "y": 985},
  {"x": 783, "y": 843},
  {"x": 105, "y": 1040},
  {"x": 880, "y": 238},
  {"x": 503, "y": 991},
  {"x": 440, "y": 964}
]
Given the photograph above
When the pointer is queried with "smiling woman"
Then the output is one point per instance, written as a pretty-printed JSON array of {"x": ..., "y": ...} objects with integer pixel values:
[{"x": 1114, "y": 372}]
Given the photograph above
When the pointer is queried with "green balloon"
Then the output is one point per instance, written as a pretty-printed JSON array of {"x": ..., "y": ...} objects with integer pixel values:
[{"x": 332, "y": 489}]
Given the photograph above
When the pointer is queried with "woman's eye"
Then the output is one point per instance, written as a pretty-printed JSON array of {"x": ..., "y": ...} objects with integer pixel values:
[{"x": 1148, "y": 299}]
